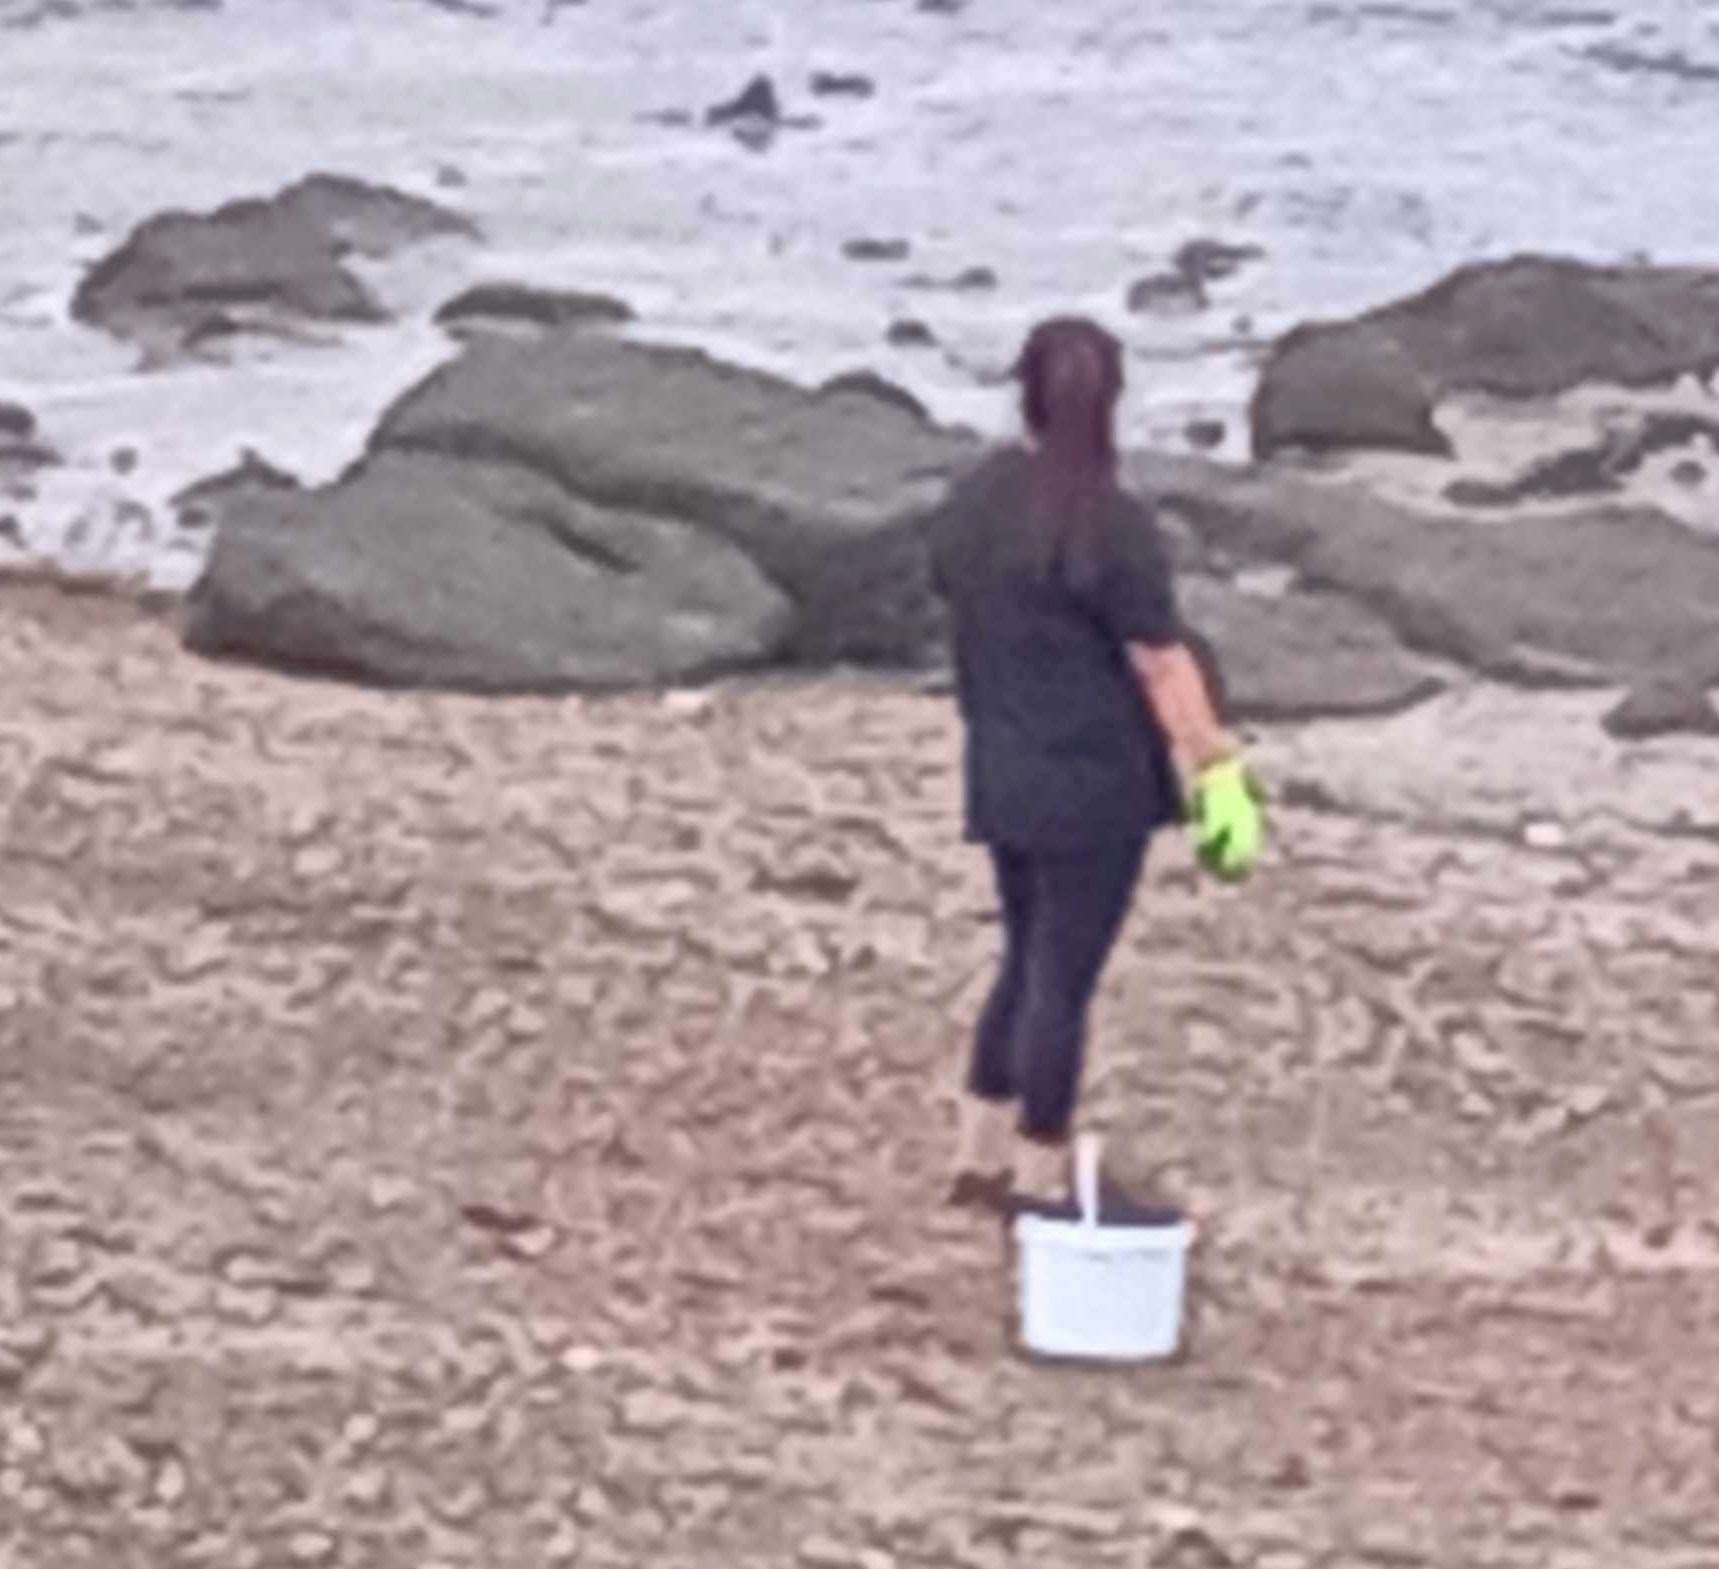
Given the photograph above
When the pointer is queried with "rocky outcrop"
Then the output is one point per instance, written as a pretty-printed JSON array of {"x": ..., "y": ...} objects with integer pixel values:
[
  {"x": 581, "y": 511},
  {"x": 183, "y": 278},
  {"x": 1604, "y": 595},
  {"x": 1531, "y": 326},
  {"x": 584, "y": 512}
]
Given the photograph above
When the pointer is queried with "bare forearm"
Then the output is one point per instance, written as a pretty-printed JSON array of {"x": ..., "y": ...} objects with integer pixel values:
[{"x": 1172, "y": 684}]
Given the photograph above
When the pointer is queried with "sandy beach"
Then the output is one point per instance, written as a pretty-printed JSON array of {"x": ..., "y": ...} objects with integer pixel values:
[
  {"x": 509, "y": 1132},
  {"x": 442, "y": 1131}
]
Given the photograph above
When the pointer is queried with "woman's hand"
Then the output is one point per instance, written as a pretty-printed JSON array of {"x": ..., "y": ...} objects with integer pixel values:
[
  {"x": 1224, "y": 805},
  {"x": 1227, "y": 820}
]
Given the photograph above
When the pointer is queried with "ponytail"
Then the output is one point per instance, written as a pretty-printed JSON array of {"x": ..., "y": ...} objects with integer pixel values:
[{"x": 1070, "y": 370}]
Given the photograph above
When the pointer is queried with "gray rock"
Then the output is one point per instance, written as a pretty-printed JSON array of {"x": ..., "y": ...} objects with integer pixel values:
[
  {"x": 1600, "y": 595},
  {"x": 1167, "y": 291},
  {"x": 967, "y": 280},
  {"x": 910, "y": 333},
  {"x": 1204, "y": 433},
  {"x": 182, "y": 276},
  {"x": 427, "y": 570},
  {"x": 1659, "y": 707},
  {"x": 756, "y": 101},
  {"x": 1302, "y": 654},
  {"x": 875, "y": 250},
  {"x": 868, "y": 384},
  {"x": 1324, "y": 388},
  {"x": 1670, "y": 62},
  {"x": 1529, "y": 326},
  {"x": 521, "y": 302},
  {"x": 577, "y": 511},
  {"x": 203, "y": 501},
  {"x": 1209, "y": 259},
  {"x": 22, "y": 451},
  {"x": 842, "y": 84}
]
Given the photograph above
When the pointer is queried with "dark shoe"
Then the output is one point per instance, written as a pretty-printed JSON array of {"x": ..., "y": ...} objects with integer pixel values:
[
  {"x": 1117, "y": 1206},
  {"x": 980, "y": 1190}
]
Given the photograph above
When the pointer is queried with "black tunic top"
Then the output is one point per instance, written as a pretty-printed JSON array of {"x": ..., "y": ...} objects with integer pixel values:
[{"x": 1063, "y": 751}]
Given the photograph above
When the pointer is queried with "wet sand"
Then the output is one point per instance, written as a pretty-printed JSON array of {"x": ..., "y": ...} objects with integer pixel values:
[{"x": 461, "y": 1132}]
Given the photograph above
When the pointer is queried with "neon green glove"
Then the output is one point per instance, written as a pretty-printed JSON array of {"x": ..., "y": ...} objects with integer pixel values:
[{"x": 1227, "y": 820}]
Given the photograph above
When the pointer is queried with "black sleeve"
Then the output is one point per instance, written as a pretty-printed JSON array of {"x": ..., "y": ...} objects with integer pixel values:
[
  {"x": 1137, "y": 596},
  {"x": 943, "y": 525},
  {"x": 934, "y": 548}
]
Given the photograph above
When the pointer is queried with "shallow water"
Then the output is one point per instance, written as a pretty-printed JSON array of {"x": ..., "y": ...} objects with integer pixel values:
[{"x": 1367, "y": 147}]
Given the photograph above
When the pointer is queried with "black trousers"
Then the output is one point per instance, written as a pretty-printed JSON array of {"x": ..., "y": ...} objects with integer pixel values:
[{"x": 1061, "y": 914}]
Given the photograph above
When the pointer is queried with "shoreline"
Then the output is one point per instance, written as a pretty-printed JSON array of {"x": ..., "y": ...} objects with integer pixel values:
[{"x": 1524, "y": 767}]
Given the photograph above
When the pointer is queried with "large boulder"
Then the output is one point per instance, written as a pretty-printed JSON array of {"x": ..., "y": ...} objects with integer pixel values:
[
  {"x": 423, "y": 569},
  {"x": 1345, "y": 385},
  {"x": 1529, "y": 326},
  {"x": 579, "y": 511},
  {"x": 183, "y": 278}
]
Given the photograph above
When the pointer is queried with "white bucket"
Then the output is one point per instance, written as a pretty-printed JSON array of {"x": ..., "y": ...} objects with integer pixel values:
[{"x": 1108, "y": 1292}]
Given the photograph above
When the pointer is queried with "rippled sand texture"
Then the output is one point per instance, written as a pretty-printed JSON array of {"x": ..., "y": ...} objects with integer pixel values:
[
  {"x": 1366, "y": 147},
  {"x": 446, "y": 1132}
]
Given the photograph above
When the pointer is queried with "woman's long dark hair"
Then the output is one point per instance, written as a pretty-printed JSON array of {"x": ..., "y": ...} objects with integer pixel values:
[{"x": 1070, "y": 370}]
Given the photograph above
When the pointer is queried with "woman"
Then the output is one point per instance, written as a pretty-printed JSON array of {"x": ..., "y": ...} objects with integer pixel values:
[{"x": 1085, "y": 713}]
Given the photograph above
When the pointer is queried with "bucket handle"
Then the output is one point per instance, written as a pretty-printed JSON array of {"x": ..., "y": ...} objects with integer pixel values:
[{"x": 1086, "y": 1149}]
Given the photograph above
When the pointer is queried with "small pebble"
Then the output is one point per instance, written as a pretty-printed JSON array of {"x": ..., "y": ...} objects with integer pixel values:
[
  {"x": 171, "y": 1483},
  {"x": 387, "y": 1192},
  {"x": 311, "y": 1547},
  {"x": 531, "y": 1243},
  {"x": 686, "y": 703},
  {"x": 367, "y": 1488},
  {"x": 315, "y": 862}
]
